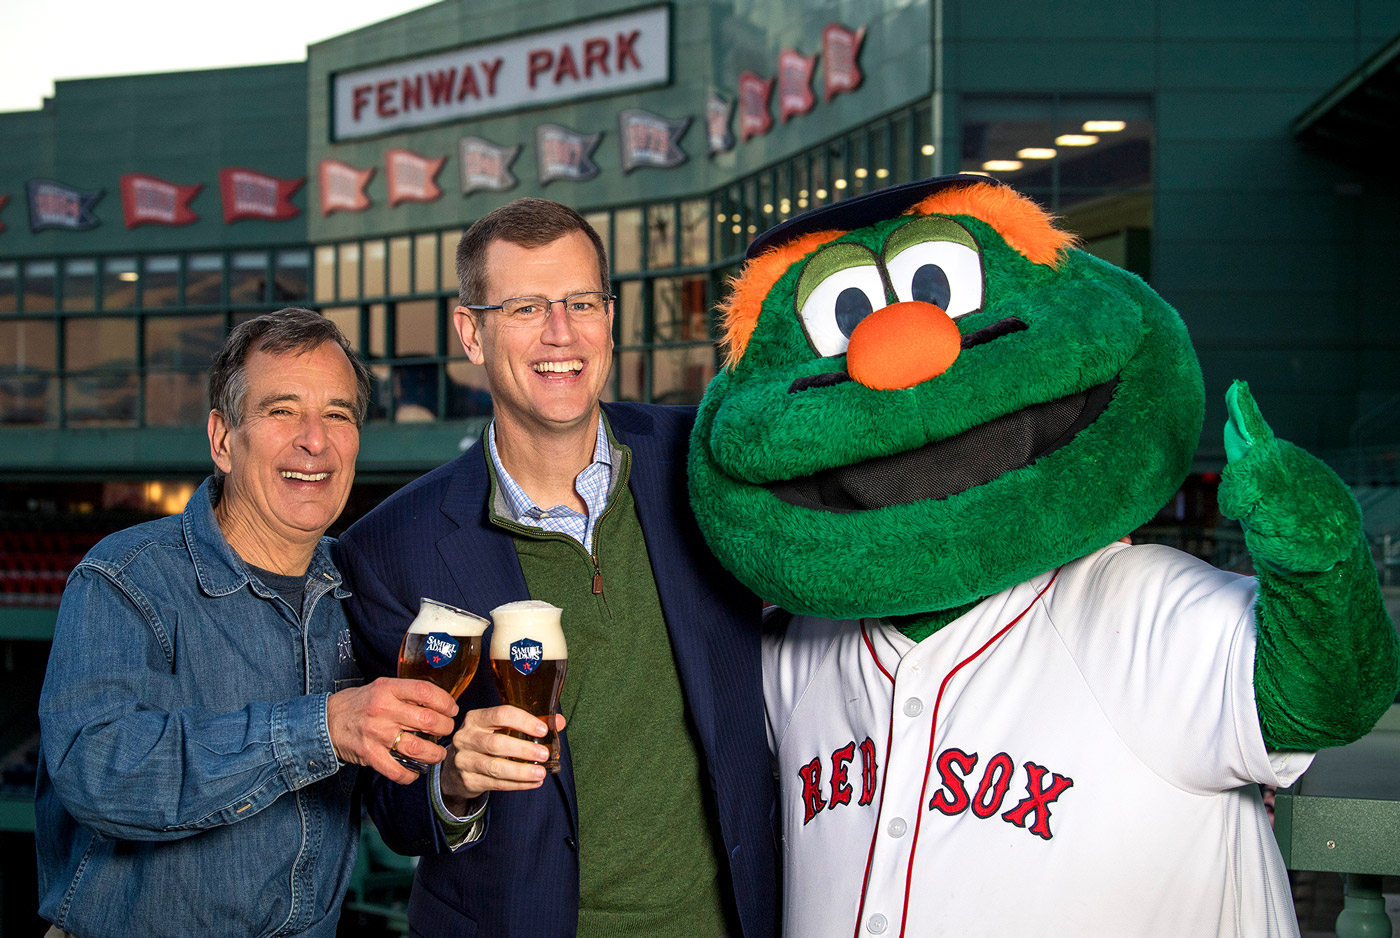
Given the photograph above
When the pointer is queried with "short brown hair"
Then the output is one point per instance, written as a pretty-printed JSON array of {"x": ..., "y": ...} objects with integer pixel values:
[{"x": 529, "y": 223}]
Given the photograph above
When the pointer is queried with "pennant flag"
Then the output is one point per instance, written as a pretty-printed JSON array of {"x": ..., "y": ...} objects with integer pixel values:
[
  {"x": 485, "y": 165},
  {"x": 54, "y": 205},
  {"x": 4, "y": 201},
  {"x": 650, "y": 140},
  {"x": 719, "y": 114},
  {"x": 148, "y": 200},
  {"x": 563, "y": 154},
  {"x": 412, "y": 178},
  {"x": 754, "y": 94},
  {"x": 250, "y": 194},
  {"x": 343, "y": 187},
  {"x": 795, "y": 83},
  {"x": 840, "y": 50}
]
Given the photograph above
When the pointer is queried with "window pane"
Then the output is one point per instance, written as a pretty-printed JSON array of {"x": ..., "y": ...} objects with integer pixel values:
[
  {"x": 680, "y": 375},
  {"x": 415, "y": 392},
  {"x": 374, "y": 268},
  {"x": 415, "y": 328},
  {"x": 631, "y": 375},
  {"x": 176, "y": 399},
  {"x": 400, "y": 266},
  {"x": 679, "y": 311},
  {"x": 28, "y": 400},
  {"x": 204, "y": 280},
  {"x": 248, "y": 277},
  {"x": 103, "y": 400},
  {"x": 325, "y": 273},
  {"x": 448, "y": 261},
  {"x": 119, "y": 283},
  {"x": 661, "y": 236},
  {"x": 39, "y": 286},
  {"x": 80, "y": 284},
  {"x": 347, "y": 320},
  {"x": 28, "y": 345},
  {"x": 289, "y": 283},
  {"x": 695, "y": 233},
  {"x": 349, "y": 287},
  {"x": 159, "y": 286},
  {"x": 467, "y": 394},
  {"x": 602, "y": 223},
  {"x": 380, "y": 392},
  {"x": 378, "y": 330},
  {"x": 99, "y": 343},
  {"x": 425, "y": 259},
  {"x": 183, "y": 341},
  {"x": 628, "y": 314},
  {"x": 627, "y": 243},
  {"x": 9, "y": 287}
]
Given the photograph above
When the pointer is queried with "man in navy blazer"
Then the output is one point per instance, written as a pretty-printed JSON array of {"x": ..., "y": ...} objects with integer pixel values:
[{"x": 508, "y": 863}]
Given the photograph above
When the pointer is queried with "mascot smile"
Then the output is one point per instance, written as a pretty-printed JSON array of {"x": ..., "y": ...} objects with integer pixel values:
[{"x": 937, "y": 422}]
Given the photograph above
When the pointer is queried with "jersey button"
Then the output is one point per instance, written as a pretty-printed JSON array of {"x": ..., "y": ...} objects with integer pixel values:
[
  {"x": 876, "y": 924},
  {"x": 897, "y": 827},
  {"x": 913, "y": 707}
]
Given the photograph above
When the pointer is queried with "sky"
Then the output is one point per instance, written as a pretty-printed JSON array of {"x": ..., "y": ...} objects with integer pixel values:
[{"x": 44, "y": 40}]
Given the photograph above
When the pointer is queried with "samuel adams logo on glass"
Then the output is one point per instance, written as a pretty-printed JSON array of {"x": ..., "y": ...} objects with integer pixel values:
[
  {"x": 439, "y": 649},
  {"x": 526, "y": 655}
]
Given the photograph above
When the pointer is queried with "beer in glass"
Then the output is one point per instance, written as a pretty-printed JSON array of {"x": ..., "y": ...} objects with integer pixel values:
[
  {"x": 443, "y": 645},
  {"x": 528, "y": 658}
]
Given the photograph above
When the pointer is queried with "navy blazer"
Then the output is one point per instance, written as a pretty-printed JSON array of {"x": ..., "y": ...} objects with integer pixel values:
[{"x": 433, "y": 539}]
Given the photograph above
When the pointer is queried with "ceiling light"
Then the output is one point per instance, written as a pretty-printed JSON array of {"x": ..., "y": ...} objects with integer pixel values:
[
  {"x": 737, "y": 228},
  {"x": 1036, "y": 153},
  {"x": 821, "y": 193},
  {"x": 881, "y": 173},
  {"x": 839, "y": 184},
  {"x": 1001, "y": 166},
  {"x": 1103, "y": 127},
  {"x": 926, "y": 149},
  {"x": 721, "y": 218},
  {"x": 1076, "y": 140},
  {"x": 768, "y": 208},
  {"x": 128, "y": 276},
  {"x": 801, "y": 203},
  {"x": 861, "y": 173}
]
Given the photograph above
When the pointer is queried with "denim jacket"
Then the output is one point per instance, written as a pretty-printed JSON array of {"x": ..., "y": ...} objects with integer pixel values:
[{"x": 187, "y": 784}]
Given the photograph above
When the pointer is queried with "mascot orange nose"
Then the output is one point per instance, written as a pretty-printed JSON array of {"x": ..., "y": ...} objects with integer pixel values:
[{"x": 902, "y": 345}]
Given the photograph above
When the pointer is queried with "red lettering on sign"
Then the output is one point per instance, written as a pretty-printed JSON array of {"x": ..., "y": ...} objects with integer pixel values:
[
  {"x": 626, "y": 51},
  {"x": 413, "y": 92},
  {"x": 840, "y": 759},
  {"x": 566, "y": 66},
  {"x": 361, "y": 95},
  {"x": 595, "y": 52},
  {"x": 541, "y": 61},
  {"x": 468, "y": 85},
  {"x": 384, "y": 100},
  {"x": 811, "y": 775},
  {"x": 440, "y": 84},
  {"x": 492, "y": 69}
]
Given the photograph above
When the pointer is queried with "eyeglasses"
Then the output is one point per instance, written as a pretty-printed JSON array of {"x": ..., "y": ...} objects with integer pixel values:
[{"x": 533, "y": 310}]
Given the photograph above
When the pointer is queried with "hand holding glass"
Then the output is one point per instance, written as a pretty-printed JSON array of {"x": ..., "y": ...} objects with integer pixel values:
[
  {"x": 529, "y": 658},
  {"x": 443, "y": 645}
]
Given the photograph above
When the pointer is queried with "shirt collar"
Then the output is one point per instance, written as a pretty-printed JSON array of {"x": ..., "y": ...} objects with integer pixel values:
[{"x": 517, "y": 503}]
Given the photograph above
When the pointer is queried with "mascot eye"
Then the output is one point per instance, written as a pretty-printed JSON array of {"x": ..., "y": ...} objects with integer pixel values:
[
  {"x": 834, "y": 307},
  {"x": 943, "y": 273}
]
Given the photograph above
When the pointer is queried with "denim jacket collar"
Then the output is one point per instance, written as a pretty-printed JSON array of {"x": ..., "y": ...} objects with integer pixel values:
[{"x": 219, "y": 568}]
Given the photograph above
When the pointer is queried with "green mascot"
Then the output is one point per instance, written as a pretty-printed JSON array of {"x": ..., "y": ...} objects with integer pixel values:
[{"x": 937, "y": 423}]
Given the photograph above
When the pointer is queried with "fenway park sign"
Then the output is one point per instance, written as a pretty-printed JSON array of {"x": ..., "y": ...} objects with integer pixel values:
[{"x": 602, "y": 56}]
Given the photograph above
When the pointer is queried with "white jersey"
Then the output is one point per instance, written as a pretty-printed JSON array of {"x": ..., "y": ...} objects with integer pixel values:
[{"x": 1074, "y": 756}]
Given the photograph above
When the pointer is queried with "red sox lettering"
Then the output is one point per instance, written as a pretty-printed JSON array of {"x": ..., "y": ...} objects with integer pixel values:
[
  {"x": 954, "y": 766},
  {"x": 841, "y": 789}
]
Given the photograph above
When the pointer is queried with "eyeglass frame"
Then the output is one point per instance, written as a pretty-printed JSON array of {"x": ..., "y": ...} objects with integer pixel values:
[{"x": 549, "y": 304}]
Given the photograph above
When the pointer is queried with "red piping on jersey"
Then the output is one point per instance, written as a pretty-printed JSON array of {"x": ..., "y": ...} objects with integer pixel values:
[{"x": 928, "y": 764}]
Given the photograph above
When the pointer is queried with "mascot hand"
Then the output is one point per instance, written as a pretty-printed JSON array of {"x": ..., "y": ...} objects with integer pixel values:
[{"x": 1297, "y": 515}]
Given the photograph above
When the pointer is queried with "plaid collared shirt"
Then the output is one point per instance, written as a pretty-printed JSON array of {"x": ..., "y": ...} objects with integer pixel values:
[{"x": 591, "y": 484}]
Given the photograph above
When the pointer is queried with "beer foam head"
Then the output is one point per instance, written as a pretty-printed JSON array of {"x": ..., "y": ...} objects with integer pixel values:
[
  {"x": 528, "y": 618},
  {"x": 434, "y": 616}
]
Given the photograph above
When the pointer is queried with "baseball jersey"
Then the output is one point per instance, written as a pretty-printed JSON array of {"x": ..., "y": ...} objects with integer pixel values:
[{"x": 1073, "y": 756}]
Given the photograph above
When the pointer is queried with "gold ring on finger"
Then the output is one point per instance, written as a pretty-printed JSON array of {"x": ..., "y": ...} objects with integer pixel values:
[{"x": 394, "y": 746}]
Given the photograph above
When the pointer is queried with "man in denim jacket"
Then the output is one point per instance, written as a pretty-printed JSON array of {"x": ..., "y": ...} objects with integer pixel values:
[{"x": 201, "y": 703}]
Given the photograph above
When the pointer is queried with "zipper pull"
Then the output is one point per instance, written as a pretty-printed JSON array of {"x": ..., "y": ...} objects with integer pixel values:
[{"x": 597, "y": 582}]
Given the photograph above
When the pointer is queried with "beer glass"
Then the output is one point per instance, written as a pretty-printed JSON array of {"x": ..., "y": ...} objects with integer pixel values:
[
  {"x": 443, "y": 645},
  {"x": 528, "y": 658}
]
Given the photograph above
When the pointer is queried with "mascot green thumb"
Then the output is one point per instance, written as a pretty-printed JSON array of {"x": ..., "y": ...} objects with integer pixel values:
[{"x": 937, "y": 423}]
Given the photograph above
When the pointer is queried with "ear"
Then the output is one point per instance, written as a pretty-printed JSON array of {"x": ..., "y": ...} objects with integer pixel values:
[
  {"x": 219, "y": 430},
  {"x": 469, "y": 331}
]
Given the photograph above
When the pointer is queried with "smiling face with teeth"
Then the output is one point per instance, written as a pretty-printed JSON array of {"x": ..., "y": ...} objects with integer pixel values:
[
  {"x": 547, "y": 378},
  {"x": 289, "y": 464}
]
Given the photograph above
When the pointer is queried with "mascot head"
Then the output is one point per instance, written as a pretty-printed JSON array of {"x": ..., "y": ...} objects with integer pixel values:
[{"x": 931, "y": 395}]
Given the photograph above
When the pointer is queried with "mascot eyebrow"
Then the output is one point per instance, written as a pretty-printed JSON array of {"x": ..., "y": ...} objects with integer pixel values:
[{"x": 1020, "y": 222}]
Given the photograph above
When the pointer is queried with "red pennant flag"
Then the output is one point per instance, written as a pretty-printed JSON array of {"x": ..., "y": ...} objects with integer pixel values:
[
  {"x": 411, "y": 177},
  {"x": 343, "y": 187},
  {"x": 754, "y": 94},
  {"x": 148, "y": 200},
  {"x": 795, "y": 83},
  {"x": 4, "y": 200},
  {"x": 250, "y": 194},
  {"x": 840, "y": 52}
]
